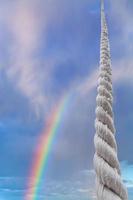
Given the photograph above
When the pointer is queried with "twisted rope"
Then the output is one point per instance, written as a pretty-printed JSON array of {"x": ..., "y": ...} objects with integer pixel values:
[{"x": 109, "y": 184}]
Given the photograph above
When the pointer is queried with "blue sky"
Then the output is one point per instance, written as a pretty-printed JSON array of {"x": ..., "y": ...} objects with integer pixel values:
[{"x": 48, "y": 48}]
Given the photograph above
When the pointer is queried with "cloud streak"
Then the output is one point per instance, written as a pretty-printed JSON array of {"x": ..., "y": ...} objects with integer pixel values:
[
  {"x": 24, "y": 68},
  {"x": 74, "y": 188},
  {"x": 28, "y": 23}
]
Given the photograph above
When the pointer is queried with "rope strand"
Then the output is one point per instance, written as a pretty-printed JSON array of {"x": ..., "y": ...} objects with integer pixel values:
[{"x": 109, "y": 184}]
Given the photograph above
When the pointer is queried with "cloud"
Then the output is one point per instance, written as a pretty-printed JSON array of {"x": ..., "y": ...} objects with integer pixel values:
[
  {"x": 87, "y": 85},
  {"x": 26, "y": 23},
  {"x": 34, "y": 47},
  {"x": 127, "y": 173},
  {"x": 120, "y": 18},
  {"x": 76, "y": 187},
  {"x": 121, "y": 11},
  {"x": 79, "y": 186},
  {"x": 24, "y": 68},
  {"x": 29, "y": 24},
  {"x": 122, "y": 72}
]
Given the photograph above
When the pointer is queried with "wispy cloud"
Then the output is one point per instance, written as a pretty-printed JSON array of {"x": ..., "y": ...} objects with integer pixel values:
[
  {"x": 27, "y": 23},
  {"x": 79, "y": 186},
  {"x": 127, "y": 173},
  {"x": 76, "y": 187},
  {"x": 25, "y": 28}
]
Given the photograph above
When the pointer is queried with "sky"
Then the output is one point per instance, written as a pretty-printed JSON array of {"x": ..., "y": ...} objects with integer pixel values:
[{"x": 50, "y": 49}]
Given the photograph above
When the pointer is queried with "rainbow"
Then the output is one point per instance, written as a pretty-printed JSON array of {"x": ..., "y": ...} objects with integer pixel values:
[{"x": 43, "y": 150}]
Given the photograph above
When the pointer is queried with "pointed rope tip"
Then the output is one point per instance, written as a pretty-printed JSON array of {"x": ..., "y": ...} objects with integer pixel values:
[{"x": 102, "y": 4}]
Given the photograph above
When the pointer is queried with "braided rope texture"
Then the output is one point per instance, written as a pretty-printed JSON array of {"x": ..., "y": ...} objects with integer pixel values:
[{"x": 109, "y": 185}]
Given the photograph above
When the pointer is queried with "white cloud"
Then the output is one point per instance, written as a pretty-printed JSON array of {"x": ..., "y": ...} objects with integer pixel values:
[
  {"x": 122, "y": 72},
  {"x": 122, "y": 14},
  {"x": 23, "y": 25},
  {"x": 127, "y": 173},
  {"x": 77, "y": 187},
  {"x": 28, "y": 22}
]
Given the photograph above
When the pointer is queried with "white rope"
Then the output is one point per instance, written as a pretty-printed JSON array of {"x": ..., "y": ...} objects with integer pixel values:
[{"x": 109, "y": 184}]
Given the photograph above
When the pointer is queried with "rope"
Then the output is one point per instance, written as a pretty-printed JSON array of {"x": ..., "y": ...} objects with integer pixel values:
[{"x": 109, "y": 185}]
